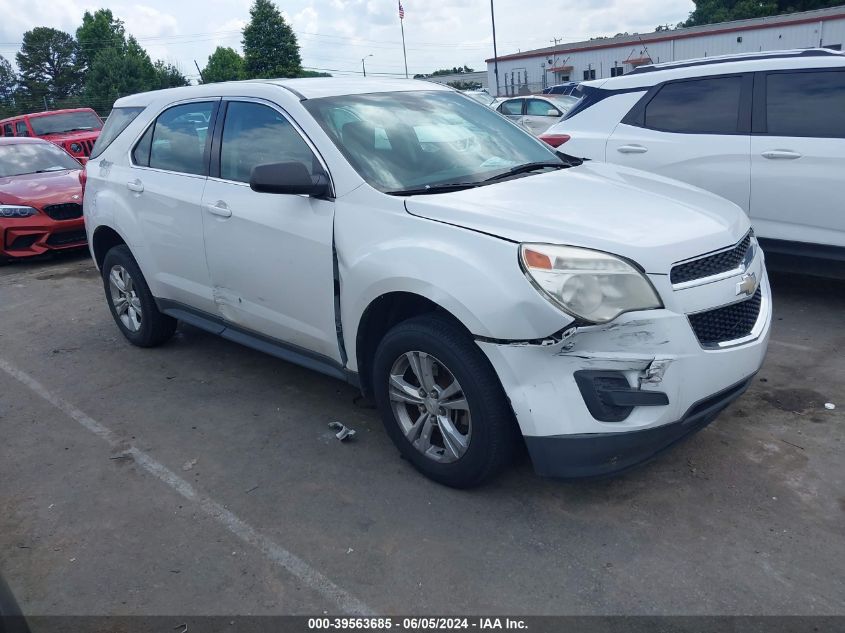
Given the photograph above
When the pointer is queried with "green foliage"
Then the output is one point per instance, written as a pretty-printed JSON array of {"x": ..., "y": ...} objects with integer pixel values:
[
  {"x": 8, "y": 85},
  {"x": 99, "y": 31},
  {"x": 465, "y": 85},
  {"x": 49, "y": 65},
  {"x": 270, "y": 45},
  {"x": 457, "y": 70},
  {"x": 713, "y": 11},
  {"x": 224, "y": 64},
  {"x": 119, "y": 71},
  {"x": 313, "y": 73},
  {"x": 168, "y": 76}
]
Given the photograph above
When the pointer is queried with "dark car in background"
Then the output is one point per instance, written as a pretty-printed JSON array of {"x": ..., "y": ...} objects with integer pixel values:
[
  {"x": 40, "y": 199},
  {"x": 561, "y": 89},
  {"x": 75, "y": 130}
]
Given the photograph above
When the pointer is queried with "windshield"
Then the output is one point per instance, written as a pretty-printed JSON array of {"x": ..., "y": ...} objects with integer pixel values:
[
  {"x": 409, "y": 140},
  {"x": 31, "y": 158},
  {"x": 66, "y": 122}
]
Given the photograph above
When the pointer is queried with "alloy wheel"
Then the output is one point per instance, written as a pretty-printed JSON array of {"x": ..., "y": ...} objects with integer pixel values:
[
  {"x": 430, "y": 406},
  {"x": 126, "y": 302}
]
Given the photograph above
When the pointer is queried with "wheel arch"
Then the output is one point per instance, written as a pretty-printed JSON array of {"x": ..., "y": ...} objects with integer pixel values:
[
  {"x": 383, "y": 313},
  {"x": 104, "y": 239}
]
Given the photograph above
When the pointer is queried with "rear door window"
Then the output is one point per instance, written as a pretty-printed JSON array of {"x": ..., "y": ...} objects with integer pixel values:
[
  {"x": 21, "y": 129},
  {"x": 8, "y": 130},
  {"x": 180, "y": 138},
  {"x": 702, "y": 106},
  {"x": 808, "y": 104}
]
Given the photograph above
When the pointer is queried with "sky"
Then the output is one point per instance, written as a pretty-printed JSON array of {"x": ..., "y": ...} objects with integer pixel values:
[{"x": 336, "y": 34}]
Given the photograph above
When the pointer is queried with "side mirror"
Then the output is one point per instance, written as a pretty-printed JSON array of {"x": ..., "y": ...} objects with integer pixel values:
[
  {"x": 553, "y": 112},
  {"x": 292, "y": 178}
]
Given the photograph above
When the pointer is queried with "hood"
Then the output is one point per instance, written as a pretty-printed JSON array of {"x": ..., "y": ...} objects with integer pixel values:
[
  {"x": 649, "y": 219},
  {"x": 39, "y": 190}
]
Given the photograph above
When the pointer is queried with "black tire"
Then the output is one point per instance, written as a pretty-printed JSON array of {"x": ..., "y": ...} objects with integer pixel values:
[
  {"x": 494, "y": 432},
  {"x": 155, "y": 328}
]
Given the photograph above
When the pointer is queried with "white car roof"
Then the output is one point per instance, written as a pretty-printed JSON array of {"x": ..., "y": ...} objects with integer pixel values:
[
  {"x": 647, "y": 76},
  {"x": 306, "y": 88}
]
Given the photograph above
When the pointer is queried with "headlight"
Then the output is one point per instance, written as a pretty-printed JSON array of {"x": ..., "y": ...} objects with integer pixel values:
[
  {"x": 15, "y": 211},
  {"x": 589, "y": 285},
  {"x": 75, "y": 148}
]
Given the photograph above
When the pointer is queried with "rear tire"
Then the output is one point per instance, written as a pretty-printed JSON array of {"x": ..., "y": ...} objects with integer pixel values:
[
  {"x": 455, "y": 425},
  {"x": 132, "y": 305}
]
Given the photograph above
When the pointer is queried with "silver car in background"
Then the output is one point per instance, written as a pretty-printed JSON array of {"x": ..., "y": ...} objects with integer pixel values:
[{"x": 536, "y": 113}]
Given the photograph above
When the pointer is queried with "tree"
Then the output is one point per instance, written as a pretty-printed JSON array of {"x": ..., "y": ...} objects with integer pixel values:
[
  {"x": 168, "y": 76},
  {"x": 270, "y": 45},
  {"x": 713, "y": 11},
  {"x": 224, "y": 64},
  {"x": 119, "y": 71},
  {"x": 98, "y": 31},
  {"x": 8, "y": 85},
  {"x": 49, "y": 65},
  {"x": 465, "y": 85}
]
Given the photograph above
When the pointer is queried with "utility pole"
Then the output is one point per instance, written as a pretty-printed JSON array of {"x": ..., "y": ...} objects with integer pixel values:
[
  {"x": 555, "y": 41},
  {"x": 363, "y": 63},
  {"x": 202, "y": 79},
  {"x": 45, "y": 103},
  {"x": 495, "y": 53}
]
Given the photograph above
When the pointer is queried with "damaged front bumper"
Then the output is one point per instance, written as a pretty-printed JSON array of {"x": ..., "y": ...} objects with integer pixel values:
[{"x": 599, "y": 399}]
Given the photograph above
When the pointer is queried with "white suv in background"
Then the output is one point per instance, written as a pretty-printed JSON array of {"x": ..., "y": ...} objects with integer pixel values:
[
  {"x": 766, "y": 131},
  {"x": 411, "y": 241}
]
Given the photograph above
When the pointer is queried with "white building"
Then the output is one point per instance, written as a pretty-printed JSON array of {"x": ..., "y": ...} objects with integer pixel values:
[{"x": 531, "y": 71}]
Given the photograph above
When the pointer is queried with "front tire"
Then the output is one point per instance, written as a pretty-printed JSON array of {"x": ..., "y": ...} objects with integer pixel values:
[
  {"x": 132, "y": 305},
  {"x": 441, "y": 402}
]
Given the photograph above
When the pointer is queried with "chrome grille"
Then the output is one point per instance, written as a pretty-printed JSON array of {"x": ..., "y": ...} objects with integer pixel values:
[{"x": 709, "y": 265}]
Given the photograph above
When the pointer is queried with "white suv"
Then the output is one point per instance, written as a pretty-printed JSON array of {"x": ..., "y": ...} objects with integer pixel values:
[
  {"x": 409, "y": 240},
  {"x": 766, "y": 131}
]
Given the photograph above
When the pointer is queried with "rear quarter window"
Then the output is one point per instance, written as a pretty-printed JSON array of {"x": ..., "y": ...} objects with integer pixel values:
[
  {"x": 701, "y": 106},
  {"x": 118, "y": 120}
]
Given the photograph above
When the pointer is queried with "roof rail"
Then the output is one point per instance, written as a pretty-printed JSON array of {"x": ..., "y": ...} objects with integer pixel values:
[{"x": 722, "y": 59}]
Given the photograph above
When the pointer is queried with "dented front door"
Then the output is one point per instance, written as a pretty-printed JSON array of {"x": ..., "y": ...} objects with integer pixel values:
[{"x": 269, "y": 255}]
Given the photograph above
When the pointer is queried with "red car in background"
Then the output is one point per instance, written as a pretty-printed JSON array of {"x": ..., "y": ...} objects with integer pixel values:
[
  {"x": 75, "y": 131},
  {"x": 40, "y": 199}
]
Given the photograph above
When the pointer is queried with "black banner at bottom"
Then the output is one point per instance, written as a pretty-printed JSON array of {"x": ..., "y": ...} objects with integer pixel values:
[{"x": 385, "y": 624}]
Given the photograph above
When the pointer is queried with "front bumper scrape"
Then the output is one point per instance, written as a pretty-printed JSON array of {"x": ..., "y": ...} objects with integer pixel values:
[{"x": 599, "y": 454}]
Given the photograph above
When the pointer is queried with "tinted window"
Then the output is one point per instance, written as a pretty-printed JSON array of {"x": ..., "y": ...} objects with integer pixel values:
[
  {"x": 536, "y": 107},
  {"x": 806, "y": 104},
  {"x": 179, "y": 138},
  {"x": 255, "y": 134},
  {"x": 704, "y": 106},
  {"x": 513, "y": 107},
  {"x": 115, "y": 124},
  {"x": 29, "y": 158},
  {"x": 21, "y": 128},
  {"x": 7, "y": 130}
]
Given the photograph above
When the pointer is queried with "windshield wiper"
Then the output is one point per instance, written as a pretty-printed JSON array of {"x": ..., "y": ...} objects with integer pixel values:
[
  {"x": 431, "y": 189},
  {"x": 528, "y": 167}
]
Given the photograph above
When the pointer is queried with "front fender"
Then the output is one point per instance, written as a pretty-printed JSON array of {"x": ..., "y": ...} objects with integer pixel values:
[{"x": 473, "y": 276}]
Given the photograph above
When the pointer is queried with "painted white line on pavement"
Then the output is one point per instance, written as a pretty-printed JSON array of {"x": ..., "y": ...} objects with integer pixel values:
[{"x": 290, "y": 562}]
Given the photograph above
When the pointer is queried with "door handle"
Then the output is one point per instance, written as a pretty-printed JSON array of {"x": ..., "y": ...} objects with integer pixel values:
[
  {"x": 219, "y": 208},
  {"x": 781, "y": 154},
  {"x": 632, "y": 149},
  {"x": 135, "y": 185}
]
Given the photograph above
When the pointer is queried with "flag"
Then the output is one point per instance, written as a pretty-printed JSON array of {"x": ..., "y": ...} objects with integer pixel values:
[{"x": 401, "y": 11}]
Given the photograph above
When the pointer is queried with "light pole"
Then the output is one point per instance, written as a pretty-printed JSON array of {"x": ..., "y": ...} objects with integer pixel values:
[
  {"x": 495, "y": 53},
  {"x": 363, "y": 63}
]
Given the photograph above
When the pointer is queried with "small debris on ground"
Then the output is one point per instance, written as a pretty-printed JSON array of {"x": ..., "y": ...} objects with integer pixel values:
[
  {"x": 829, "y": 406},
  {"x": 188, "y": 465},
  {"x": 342, "y": 432}
]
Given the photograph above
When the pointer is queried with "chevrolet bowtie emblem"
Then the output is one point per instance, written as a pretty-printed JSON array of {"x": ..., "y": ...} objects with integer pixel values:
[{"x": 748, "y": 285}]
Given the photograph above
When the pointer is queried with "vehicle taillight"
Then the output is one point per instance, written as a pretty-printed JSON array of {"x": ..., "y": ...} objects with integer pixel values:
[
  {"x": 555, "y": 140},
  {"x": 83, "y": 178}
]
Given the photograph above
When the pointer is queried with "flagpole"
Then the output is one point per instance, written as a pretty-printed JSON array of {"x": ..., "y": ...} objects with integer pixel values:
[{"x": 402, "y": 25}]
